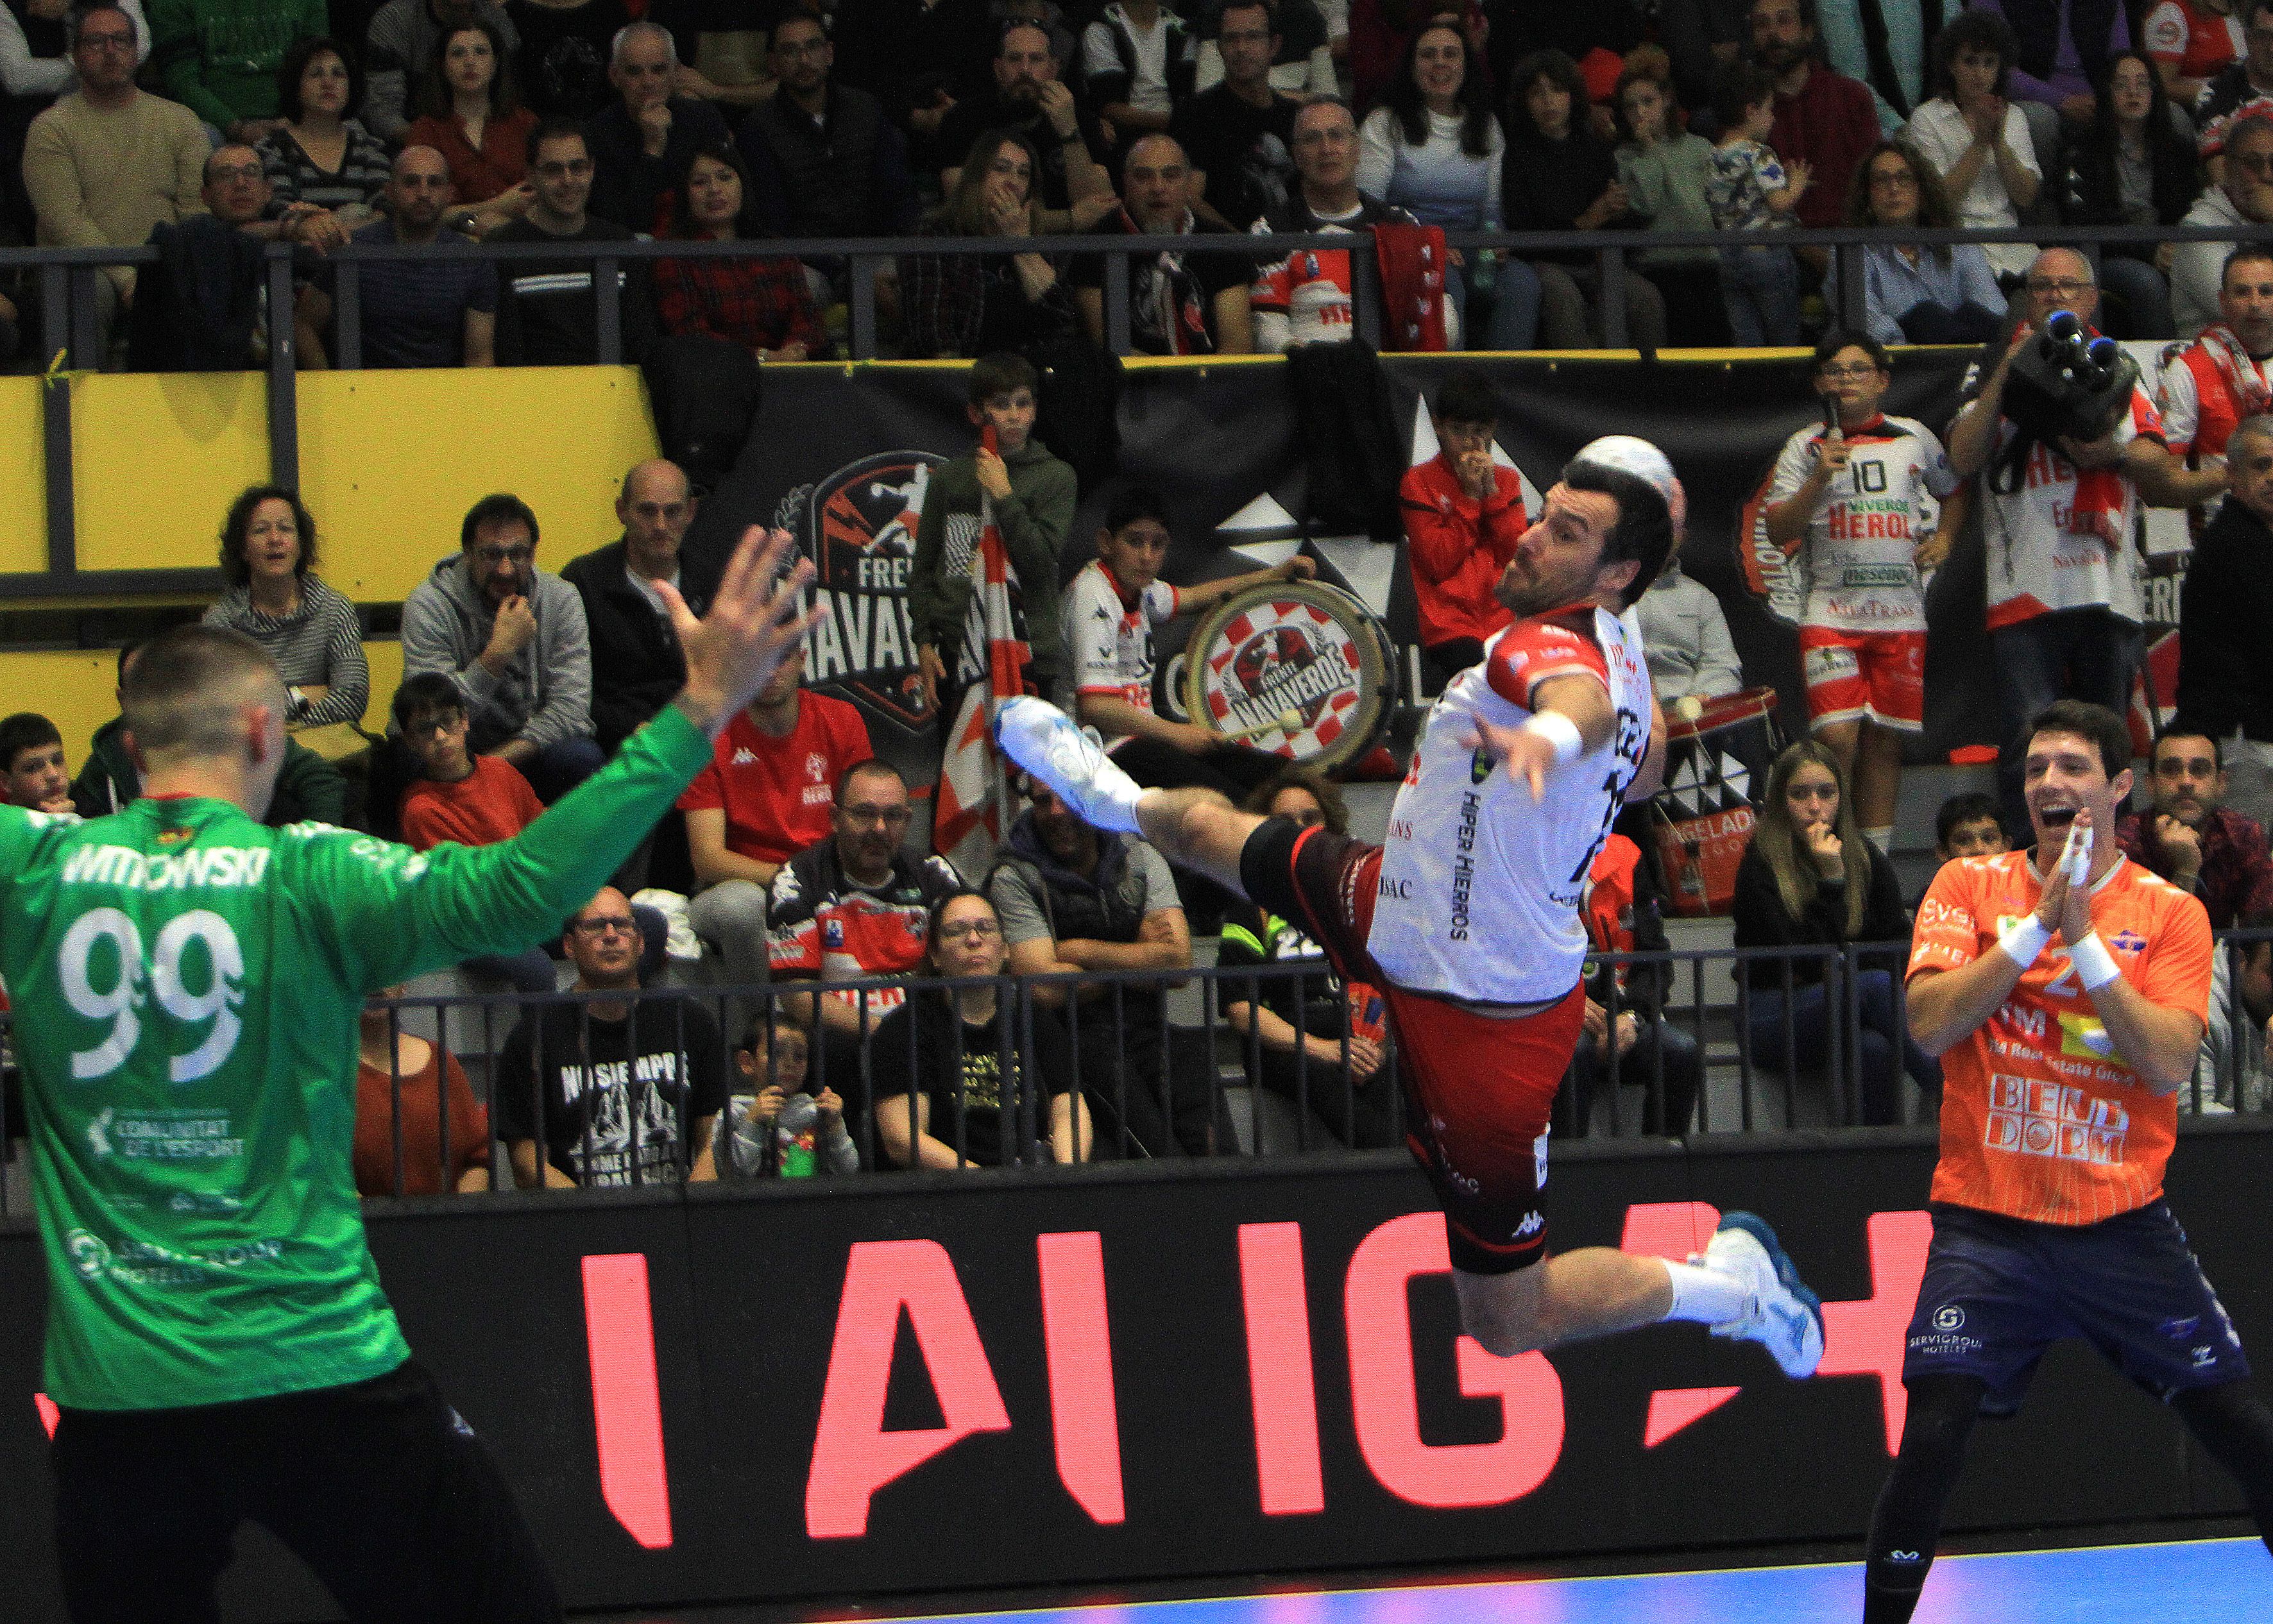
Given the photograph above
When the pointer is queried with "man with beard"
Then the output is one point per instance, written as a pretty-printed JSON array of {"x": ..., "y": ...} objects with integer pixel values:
[
  {"x": 428, "y": 312},
  {"x": 1030, "y": 98},
  {"x": 1467, "y": 919},
  {"x": 852, "y": 907},
  {"x": 2240, "y": 202},
  {"x": 1075, "y": 898},
  {"x": 824, "y": 159},
  {"x": 2211, "y": 385},
  {"x": 1239, "y": 135},
  {"x": 1822, "y": 118},
  {"x": 1179, "y": 305},
  {"x": 2225, "y": 683}
]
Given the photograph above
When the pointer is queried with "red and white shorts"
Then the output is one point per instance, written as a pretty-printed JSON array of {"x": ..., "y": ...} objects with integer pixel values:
[
  {"x": 1864, "y": 675},
  {"x": 1478, "y": 1089}
]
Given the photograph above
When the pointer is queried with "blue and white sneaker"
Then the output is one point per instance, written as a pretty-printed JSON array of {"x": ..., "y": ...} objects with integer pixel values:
[
  {"x": 1783, "y": 1316},
  {"x": 1066, "y": 756}
]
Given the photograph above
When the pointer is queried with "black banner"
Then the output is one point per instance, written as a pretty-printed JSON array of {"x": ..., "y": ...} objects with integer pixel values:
[
  {"x": 924, "y": 1383},
  {"x": 842, "y": 461}
]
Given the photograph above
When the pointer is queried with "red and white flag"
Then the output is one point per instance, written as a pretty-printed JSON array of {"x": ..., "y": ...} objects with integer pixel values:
[{"x": 968, "y": 818}]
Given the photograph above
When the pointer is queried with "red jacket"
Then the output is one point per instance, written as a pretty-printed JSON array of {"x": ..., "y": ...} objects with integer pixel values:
[{"x": 1458, "y": 548}]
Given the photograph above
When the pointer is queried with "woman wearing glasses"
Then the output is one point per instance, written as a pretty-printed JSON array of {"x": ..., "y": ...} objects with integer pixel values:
[
  {"x": 1911, "y": 293},
  {"x": 953, "y": 1067}
]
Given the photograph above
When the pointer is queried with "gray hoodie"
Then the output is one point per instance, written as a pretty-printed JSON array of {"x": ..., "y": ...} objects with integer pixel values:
[{"x": 545, "y": 694}]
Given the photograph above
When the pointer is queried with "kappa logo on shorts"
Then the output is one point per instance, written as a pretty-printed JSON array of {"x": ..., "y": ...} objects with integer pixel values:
[
  {"x": 1949, "y": 1317},
  {"x": 2204, "y": 1357},
  {"x": 2178, "y": 1330}
]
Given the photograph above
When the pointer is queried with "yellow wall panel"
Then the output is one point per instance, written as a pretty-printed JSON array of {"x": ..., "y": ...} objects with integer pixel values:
[
  {"x": 156, "y": 460},
  {"x": 390, "y": 462},
  {"x": 23, "y": 476},
  {"x": 77, "y": 691}
]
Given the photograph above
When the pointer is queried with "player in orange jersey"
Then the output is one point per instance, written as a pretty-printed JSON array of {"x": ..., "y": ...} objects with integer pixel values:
[{"x": 2065, "y": 992}]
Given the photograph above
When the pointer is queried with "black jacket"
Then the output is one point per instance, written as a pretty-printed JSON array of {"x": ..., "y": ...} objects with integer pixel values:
[
  {"x": 2224, "y": 680},
  {"x": 636, "y": 665},
  {"x": 628, "y": 186},
  {"x": 1762, "y": 920}
]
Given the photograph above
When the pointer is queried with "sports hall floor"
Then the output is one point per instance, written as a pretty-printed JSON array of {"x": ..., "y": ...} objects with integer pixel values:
[{"x": 2187, "y": 1582}]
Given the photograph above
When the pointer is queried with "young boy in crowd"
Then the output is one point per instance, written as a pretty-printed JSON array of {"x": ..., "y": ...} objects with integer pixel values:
[
  {"x": 1967, "y": 825},
  {"x": 1110, "y": 610},
  {"x": 776, "y": 1127},
  {"x": 477, "y": 800},
  {"x": 1749, "y": 190},
  {"x": 1463, "y": 517},
  {"x": 32, "y": 760},
  {"x": 1012, "y": 477}
]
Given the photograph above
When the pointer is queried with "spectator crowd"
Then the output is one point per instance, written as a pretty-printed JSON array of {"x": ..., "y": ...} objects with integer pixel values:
[{"x": 204, "y": 126}]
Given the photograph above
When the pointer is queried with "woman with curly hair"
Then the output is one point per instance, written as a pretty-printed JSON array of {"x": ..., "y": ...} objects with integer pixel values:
[{"x": 273, "y": 596}]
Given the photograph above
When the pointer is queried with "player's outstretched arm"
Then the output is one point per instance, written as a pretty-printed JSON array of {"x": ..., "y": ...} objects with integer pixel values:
[{"x": 1571, "y": 717}]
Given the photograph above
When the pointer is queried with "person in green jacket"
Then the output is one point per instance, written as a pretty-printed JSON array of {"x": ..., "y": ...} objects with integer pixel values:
[
  {"x": 219, "y": 58},
  {"x": 309, "y": 789},
  {"x": 188, "y": 985},
  {"x": 1031, "y": 494}
]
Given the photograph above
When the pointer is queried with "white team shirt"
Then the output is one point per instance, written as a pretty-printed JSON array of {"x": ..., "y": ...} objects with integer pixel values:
[
  {"x": 1479, "y": 884},
  {"x": 2045, "y": 556},
  {"x": 1109, "y": 641},
  {"x": 1856, "y": 555}
]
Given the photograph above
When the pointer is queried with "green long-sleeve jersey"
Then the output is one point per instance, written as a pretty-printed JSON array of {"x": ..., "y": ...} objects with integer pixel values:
[{"x": 186, "y": 985}]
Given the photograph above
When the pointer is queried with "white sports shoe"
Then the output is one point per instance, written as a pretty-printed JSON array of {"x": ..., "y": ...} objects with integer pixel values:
[
  {"x": 1048, "y": 744},
  {"x": 1782, "y": 1315}
]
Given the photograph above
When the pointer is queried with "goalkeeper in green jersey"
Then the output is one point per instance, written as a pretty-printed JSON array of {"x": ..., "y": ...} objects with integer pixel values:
[{"x": 186, "y": 985}]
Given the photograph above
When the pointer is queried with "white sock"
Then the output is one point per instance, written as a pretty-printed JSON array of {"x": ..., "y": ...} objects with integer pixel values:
[
  {"x": 1706, "y": 1295},
  {"x": 1883, "y": 839}
]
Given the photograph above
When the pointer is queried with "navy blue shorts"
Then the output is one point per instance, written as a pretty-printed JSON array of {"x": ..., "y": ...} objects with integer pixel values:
[{"x": 1998, "y": 1291}]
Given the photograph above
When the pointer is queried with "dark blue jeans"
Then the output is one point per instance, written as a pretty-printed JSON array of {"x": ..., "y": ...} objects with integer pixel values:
[
  {"x": 1886, "y": 1051},
  {"x": 2071, "y": 654}
]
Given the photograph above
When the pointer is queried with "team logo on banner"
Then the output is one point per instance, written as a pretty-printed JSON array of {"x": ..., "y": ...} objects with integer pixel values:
[
  {"x": 1297, "y": 668},
  {"x": 859, "y": 527}
]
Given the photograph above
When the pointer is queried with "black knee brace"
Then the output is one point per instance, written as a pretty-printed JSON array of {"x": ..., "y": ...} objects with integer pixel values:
[{"x": 1908, "y": 1518}]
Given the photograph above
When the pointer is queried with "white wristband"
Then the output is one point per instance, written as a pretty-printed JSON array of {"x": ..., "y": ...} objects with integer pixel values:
[
  {"x": 2023, "y": 939},
  {"x": 2094, "y": 966},
  {"x": 1560, "y": 731}
]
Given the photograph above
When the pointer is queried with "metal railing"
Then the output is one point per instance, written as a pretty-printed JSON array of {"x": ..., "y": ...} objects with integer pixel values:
[{"x": 1165, "y": 1074}]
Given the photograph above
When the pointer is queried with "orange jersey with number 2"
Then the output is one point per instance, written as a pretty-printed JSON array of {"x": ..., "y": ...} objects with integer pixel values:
[{"x": 2040, "y": 1117}]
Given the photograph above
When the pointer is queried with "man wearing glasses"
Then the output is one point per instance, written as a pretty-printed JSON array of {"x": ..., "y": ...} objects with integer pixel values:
[
  {"x": 1861, "y": 503},
  {"x": 2241, "y": 202},
  {"x": 2065, "y": 590},
  {"x": 108, "y": 162},
  {"x": 515, "y": 641},
  {"x": 628, "y": 1087},
  {"x": 852, "y": 906}
]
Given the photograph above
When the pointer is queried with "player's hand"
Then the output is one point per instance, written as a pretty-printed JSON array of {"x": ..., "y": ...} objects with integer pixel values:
[
  {"x": 830, "y": 1105},
  {"x": 767, "y": 1104},
  {"x": 993, "y": 476},
  {"x": 1297, "y": 568},
  {"x": 2182, "y": 845},
  {"x": 2066, "y": 905},
  {"x": 931, "y": 671},
  {"x": 515, "y": 626},
  {"x": 753, "y": 626},
  {"x": 1629, "y": 1030},
  {"x": 1529, "y": 756},
  {"x": 1824, "y": 846},
  {"x": 1834, "y": 453}
]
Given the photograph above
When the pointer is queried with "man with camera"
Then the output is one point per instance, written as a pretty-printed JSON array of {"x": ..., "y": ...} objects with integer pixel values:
[{"x": 2060, "y": 511}]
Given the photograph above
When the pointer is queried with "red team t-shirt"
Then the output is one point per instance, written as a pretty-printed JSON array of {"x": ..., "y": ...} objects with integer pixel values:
[
  {"x": 493, "y": 803},
  {"x": 775, "y": 792},
  {"x": 2040, "y": 1118}
]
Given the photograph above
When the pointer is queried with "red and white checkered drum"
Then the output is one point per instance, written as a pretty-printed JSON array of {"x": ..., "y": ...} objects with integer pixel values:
[{"x": 1299, "y": 669}]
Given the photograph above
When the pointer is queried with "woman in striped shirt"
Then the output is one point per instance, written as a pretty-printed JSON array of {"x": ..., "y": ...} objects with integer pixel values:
[
  {"x": 321, "y": 154},
  {"x": 268, "y": 560}
]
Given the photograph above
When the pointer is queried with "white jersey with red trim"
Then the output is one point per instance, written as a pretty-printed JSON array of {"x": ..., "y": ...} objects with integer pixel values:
[
  {"x": 1857, "y": 556},
  {"x": 1108, "y": 638},
  {"x": 2049, "y": 550},
  {"x": 1481, "y": 886}
]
